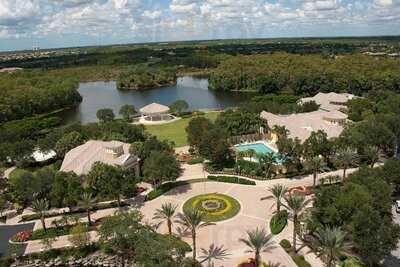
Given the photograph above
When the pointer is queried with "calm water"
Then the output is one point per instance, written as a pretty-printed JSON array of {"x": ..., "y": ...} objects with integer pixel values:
[{"x": 97, "y": 95}]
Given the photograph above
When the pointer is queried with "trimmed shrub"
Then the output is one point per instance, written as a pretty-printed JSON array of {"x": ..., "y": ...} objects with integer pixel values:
[
  {"x": 99, "y": 206},
  {"x": 231, "y": 179},
  {"x": 285, "y": 244},
  {"x": 195, "y": 161},
  {"x": 278, "y": 222},
  {"x": 163, "y": 189},
  {"x": 300, "y": 261}
]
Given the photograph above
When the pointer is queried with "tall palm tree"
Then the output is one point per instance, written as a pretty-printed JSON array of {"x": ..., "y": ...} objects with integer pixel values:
[
  {"x": 167, "y": 213},
  {"x": 278, "y": 191},
  {"x": 41, "y": 206},
  {"x": 316, "y": 163},
  {"x": 266, "y": 161},
  {"x": 213, "y": 253},
  {"x": 192, "y": 220},
  {"x": 258, "y": 241},
  {"x": 87, "y": 202},
  {"x": 330, "y": 244},
  {"x": 295, "y": 203},
  {"x": 345, "y": 158}
]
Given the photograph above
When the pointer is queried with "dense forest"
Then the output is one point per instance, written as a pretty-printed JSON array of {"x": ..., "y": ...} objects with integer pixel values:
[
  {"x": 28, "y": 93},
  {"x": 306, "y": 75},
  {"x": 146, "y": 78}
]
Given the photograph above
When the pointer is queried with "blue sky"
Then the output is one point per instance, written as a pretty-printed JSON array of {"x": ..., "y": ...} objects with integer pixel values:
[{"x": 63, "y": 23}]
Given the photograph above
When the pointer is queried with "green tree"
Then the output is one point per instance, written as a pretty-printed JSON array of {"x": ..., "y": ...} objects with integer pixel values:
[
  {"x": 79, "y": 236},
  {"x": 317, "y": 144},
  {"x": 68, "y": 142},
  {"x": 295, "y": 203},
  {"x": 315, "y": 164},
  {"x": 41, "y": 206},
  {"x": 346, "y": 158},
  {"x": 192, "y": 220},
  {"x": 105, "y": 115},
  {"x": 215, "y": 147},
  {"x": 87, "y": 202},
  {"x": 213, "y": 253},
  {"x": 127, "y": 111},
  {"x": 371, "y": 154},
  {"x": 258, "y": 241},
  {"x": 278, "y": 191},
  {"x": 266, "y": 161},
  {"x": 153, "y": 171},
  {"x": 330, "y": 245},
  {"x": 196, "y": 131},
  {"x": 166, "y": 213},
  {"x": 179, "y": 106}
]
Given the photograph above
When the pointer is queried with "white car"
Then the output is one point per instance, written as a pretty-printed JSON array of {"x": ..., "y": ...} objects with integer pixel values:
[{"x": 397, "y": 206}]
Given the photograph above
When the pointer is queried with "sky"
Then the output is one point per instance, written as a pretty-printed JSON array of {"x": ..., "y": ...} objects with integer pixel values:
[{"x": 66, "y": 23}]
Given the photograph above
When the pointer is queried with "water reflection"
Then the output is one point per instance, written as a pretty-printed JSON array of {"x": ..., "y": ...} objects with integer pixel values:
[{"x": 97, "y": 95}]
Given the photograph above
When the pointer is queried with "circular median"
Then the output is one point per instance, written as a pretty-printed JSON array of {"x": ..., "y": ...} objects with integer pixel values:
[{"x": 216, "y": 207}]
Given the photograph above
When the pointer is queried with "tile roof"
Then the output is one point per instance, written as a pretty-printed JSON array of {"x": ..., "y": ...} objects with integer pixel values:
[{"x": 81, "y": 158}]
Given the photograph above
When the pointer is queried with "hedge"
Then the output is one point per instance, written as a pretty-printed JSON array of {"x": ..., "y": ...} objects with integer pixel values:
[
  {"x": 231, "y": 179},
  {"x": 164, "y": 188},
  {"x": 285, "y": 244},
  {"x": 278, "y": 222},
  {"x": 99, "y": 206},
  {"x": 195, "y": 161}
]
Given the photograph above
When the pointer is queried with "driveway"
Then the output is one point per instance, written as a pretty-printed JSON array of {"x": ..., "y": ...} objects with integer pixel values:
[
  {"x": 254, "y": 213},
  {"x": 7, "y": 231}
]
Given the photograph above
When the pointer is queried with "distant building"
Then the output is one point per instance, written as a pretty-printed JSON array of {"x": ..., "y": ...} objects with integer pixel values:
[
  {"x": 328, "y": 118},
  {"x": 9, "y": 70},
  {"x": 81, "y": 159},
  {"x": 330, "y": 101},
  {"x": 301, "y": 125}
]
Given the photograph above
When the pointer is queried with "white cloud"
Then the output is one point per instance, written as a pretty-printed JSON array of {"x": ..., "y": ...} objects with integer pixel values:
[{"x": 152, "y": 14}]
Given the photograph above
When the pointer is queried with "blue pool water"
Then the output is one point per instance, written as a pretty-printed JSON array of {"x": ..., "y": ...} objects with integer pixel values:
[{"x": 257, "y": 147}]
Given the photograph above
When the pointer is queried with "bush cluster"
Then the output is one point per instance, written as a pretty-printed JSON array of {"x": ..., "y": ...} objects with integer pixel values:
[
  {"x": 231, "y": 179},
  {"x": 278, "y": 222},
  {"x": 195, "y": 161}
]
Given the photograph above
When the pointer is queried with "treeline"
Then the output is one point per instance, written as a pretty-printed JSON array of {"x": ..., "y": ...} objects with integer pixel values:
[
  {"x": 29, "y": 93},
  {"x": 306, "y": 75},
  {"x": 146, "y": 78}
]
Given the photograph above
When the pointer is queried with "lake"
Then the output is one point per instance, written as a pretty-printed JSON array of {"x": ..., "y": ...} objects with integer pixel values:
[{"x": 98, "y": 95}]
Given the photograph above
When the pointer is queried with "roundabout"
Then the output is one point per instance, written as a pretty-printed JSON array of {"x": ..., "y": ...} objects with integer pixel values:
[{"x": 216, "y": 207}]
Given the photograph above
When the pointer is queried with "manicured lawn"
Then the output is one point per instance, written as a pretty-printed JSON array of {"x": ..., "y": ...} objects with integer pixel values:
[{"x": 175, "y": 131}]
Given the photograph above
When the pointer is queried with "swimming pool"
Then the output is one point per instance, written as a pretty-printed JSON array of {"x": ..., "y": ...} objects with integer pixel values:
[{"x": 259, "y": 148}]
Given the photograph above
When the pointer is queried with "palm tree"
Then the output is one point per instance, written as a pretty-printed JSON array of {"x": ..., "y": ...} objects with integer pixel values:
[
  {"x": 295, "y": 203},
  {"x": 250, "y": 153},
  {"x": 192, "y": 220},
  {"x": 330, "y": 244},
  {"x": 372, "y": 154},
  {"x": 167, "y": 212},
  {"x": 87, "y": 201},
  {"x": 316, "y": 164},
  {"x": 258, "y": 241},
  {"x": 266, "y": 161},
  {"x": 278, "y": 191},
  {"x": 41, "y": 206},
  {"x": 346, "y": 157},
  {"x": 213, "y": 253}
]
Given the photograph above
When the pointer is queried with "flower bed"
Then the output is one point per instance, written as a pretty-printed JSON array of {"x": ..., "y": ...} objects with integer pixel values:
[
  {"x": 231, "y": 179},
  {"x": 42, "y": 234},
  {"x": 216, "y": 207},
  {"x": 21, "y": 236},
  {"x": 278, "y": 222}
]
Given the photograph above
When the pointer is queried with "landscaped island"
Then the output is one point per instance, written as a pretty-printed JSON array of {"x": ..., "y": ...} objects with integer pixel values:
[{"x": 146, "y": 78}]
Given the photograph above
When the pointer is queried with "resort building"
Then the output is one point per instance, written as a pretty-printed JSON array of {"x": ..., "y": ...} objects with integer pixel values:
[
  {"x": 80, "y": 159},
  {"x": 329, "y": 101},
  {"x": 301, "y": 125},
  {"x": 155, "y": 112}
]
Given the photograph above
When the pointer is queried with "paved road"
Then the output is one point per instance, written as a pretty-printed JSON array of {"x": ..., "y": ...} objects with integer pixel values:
[
  {"x": 7, "y": 231},
  {"x": 394, "y": 259}
]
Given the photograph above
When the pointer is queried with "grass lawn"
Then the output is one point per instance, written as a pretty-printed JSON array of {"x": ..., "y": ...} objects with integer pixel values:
[{"x": 175, "y": 131}]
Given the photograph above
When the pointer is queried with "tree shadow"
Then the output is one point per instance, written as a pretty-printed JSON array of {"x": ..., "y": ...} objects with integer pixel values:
[{"x": 391, "y": 261}]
